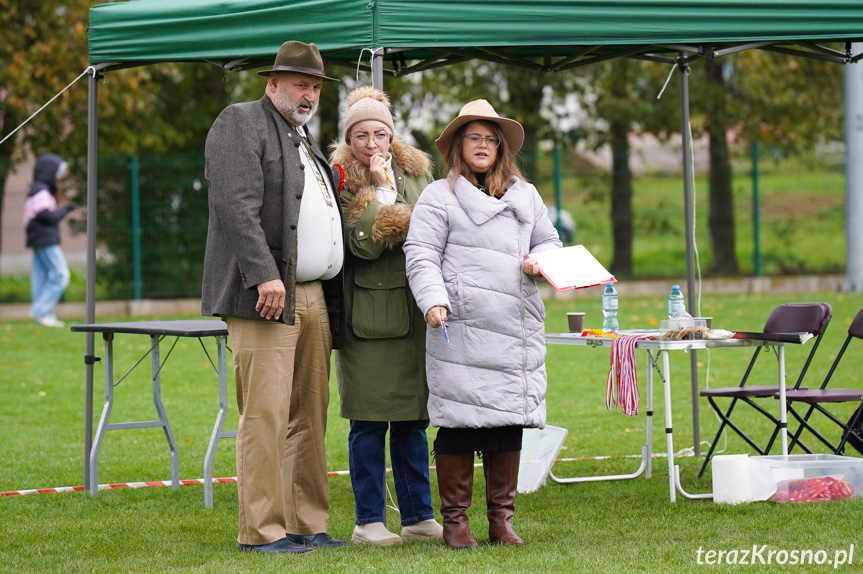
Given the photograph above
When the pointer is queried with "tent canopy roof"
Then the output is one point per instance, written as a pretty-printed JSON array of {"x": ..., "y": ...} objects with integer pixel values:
[{"x": 550, "y": 35}]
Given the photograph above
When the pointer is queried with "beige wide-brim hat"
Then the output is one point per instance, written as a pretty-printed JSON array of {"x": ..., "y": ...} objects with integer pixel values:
[
  {"x": 301, "y": 58},
  {"x": 481, "y": 110}
]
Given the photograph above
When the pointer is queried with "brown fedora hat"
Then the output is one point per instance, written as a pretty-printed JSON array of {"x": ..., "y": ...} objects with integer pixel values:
[
  {"x": 481, "y": 110},
  {"x": 301, "y": 58}
]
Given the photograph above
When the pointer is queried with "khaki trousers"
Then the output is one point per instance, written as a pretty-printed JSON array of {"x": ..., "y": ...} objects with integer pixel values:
[{"x": 282, "y": 377}]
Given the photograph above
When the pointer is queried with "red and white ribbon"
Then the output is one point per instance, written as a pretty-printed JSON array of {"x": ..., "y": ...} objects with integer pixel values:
[
  {"x": 232, "y": 479},
  {"x": 622, "y": 384}
]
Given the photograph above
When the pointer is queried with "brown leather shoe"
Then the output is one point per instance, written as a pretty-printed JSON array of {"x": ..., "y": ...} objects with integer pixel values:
[
  {"x": 501, "y": 481},
  {"x": 455, "y": 485}
]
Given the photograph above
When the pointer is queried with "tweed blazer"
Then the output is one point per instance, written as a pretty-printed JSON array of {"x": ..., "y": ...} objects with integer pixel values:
[{"x": 256, "y": 184}]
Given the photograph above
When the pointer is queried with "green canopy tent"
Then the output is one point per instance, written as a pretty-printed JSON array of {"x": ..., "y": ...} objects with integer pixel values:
[
  {"x": 244, "y": 34},
  {"x": 408, "y": 36}
]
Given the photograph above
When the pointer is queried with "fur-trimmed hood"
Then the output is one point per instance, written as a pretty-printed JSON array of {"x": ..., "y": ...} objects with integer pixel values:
[
  {"x": 411, "y": 160},
  {"x": 391, "y": 222}
]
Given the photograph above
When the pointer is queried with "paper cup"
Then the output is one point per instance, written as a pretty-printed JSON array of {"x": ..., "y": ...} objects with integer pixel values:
[{"x": 576, "y": 322}]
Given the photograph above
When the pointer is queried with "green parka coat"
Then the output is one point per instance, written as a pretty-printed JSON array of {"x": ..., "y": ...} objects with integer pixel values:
[{"x": 381, "y": 368}]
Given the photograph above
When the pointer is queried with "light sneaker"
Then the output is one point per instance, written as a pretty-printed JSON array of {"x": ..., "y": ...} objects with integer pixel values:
[
  {"x": 50, "y": 322},
  {"x": 424, "y": 530},
  {"x": 374, "y": 533}
]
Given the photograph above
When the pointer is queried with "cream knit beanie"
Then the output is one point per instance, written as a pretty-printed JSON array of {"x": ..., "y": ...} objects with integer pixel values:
[{"x": 367, "y": 103}]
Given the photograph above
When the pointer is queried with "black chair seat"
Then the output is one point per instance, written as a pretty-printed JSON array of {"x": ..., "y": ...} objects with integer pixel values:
[
  {"x": 824, "y": 395},
  {"x": 752, "y": 391}
]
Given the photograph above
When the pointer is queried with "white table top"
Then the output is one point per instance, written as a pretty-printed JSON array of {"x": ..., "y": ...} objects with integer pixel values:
[{"x": 663, "y": 345}]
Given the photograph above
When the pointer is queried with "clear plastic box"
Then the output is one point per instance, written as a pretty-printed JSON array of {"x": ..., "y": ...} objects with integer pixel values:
[
  {"x": 813, "y": 477},
  {"x": 682, "y": 329}
]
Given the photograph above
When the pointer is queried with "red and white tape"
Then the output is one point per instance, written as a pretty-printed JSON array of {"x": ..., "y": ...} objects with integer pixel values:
[
  {"x": 194, "y": 481},
  {"x": 117, "y": 486},
  {"x": 149, "y": 484}
]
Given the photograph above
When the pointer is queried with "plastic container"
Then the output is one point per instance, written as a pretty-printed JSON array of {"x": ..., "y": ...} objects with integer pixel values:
[
  {"x": 682, "y": 329},
  {"x": 813, "y": 477},
  {"x": 609, "y": 308},
  {"x": 676, "y": 302}
]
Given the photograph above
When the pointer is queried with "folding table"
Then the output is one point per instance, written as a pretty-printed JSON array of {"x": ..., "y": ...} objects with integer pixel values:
[
  {"x": 157, "y": 330},
  {"x": 655, "y": 350}
]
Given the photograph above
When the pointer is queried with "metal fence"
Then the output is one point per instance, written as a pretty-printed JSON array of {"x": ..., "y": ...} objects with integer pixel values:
[
  {"x": 790, "y": 219},
  {"x": 788, "y": 209},
  {"x": 152, "y": 226}
]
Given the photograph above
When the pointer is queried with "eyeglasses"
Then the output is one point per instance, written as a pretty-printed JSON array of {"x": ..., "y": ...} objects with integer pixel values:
[
  {"x": 475, "y": 139},
  {"x": 363, "y": 139}
]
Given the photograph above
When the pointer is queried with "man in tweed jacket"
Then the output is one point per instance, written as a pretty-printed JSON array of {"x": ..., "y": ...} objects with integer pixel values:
[{"x": 272, "y": 271}]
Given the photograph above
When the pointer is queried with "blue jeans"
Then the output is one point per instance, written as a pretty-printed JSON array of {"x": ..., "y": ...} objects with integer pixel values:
[
  {"x": 48, "y": 280},
  {"x": 409, "y": 452}
]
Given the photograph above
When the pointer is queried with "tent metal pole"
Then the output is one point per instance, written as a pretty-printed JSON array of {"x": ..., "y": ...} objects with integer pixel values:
[
  {"x": 853, "y": 174},
  {"x": 684, "y": 71},
  {"x": 378, "y": 68},
  {"x": 89, "y": 358}
]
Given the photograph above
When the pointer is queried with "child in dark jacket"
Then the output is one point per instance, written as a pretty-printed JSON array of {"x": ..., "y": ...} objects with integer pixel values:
[{"x": 43, "y": 211}]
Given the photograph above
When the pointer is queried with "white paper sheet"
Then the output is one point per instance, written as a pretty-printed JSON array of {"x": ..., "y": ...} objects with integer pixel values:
[{"x": 571, "y": 268}]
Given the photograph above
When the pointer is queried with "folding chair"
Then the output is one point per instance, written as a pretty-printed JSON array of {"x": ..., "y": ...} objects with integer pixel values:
[
  {"x": 851, "y": 431},
  {"x": 787, "y": 318}
]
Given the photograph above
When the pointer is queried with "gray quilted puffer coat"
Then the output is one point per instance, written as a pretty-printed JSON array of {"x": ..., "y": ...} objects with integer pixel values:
[{"x": 465, "y": 251}]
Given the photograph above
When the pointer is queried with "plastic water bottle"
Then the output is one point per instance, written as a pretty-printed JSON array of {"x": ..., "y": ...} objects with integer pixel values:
[
  {"x": 676, "y": 302},
  {"x": 609, "y": 308}
]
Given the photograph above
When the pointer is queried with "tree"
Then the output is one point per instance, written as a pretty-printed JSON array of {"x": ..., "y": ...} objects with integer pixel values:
[
  {"x": 159, "y": 114},
  {"x": 784, "y": 101},
  {"x": 721, "y": 218},
  {"x": 155, "y": 109},
  {"x": 44, "y": 48},
  {"x": 621, "y": 179},
  {"x": 756, "y": 95},
  {"x": 620, "y": 97}
]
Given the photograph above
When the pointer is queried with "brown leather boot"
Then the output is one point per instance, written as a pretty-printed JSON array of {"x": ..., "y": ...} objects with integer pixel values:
[
  {"x": 501, "y": 480},
  {"x": 455, "y": 484}
]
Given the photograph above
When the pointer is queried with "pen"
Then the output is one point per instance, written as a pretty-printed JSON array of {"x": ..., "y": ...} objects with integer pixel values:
[{"x": 445, "y": 332}]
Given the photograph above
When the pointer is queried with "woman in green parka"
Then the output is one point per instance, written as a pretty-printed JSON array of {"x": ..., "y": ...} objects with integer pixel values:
[{"x": 381, "y": 368}]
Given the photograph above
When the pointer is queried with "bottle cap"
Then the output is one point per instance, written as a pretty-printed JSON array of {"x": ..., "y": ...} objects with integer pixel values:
[{"x": 673, "y": 287}]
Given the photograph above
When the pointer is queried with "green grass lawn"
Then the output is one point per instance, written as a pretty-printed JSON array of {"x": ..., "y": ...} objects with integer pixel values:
[{"x": 592, "y": 527}]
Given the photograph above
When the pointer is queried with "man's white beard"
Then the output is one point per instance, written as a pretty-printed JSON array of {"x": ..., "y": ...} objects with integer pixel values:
[{"x": 288, "y": 108}]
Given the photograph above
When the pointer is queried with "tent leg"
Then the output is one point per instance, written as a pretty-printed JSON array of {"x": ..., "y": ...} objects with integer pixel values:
[
  {"x": 689, "y": 215},
  {"x": 89, "y": 358},
  {"x": 378, "y": 68},
  {"x": 854, "y": 174}
]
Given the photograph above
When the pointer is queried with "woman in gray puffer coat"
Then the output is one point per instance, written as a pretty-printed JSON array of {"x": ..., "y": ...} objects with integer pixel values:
[{"x": 469, "y": 268}]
